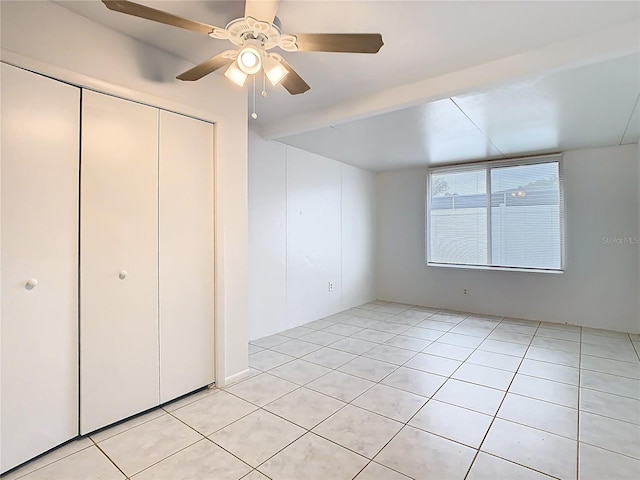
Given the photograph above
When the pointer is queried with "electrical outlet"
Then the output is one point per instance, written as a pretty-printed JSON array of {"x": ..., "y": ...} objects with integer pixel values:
[
  {"x": 331, "y": 286},
  {"x": 465, "y": 291}
]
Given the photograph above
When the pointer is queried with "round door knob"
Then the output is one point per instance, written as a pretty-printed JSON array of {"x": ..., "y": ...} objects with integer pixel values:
[
  {"x": 31, "y": 284},
  {"x": 122, "y": 275}
]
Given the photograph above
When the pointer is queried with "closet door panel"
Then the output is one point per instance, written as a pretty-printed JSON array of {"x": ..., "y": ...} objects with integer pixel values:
[
  {"x": 39, "y": 241},
  {"x": 186, "y": 254},
  {"x": 119, "y": 260}
]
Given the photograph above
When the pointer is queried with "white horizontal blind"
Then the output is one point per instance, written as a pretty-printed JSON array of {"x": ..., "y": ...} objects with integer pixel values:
[
  {"x": 496, "y": 215},
  {"x": 459, "y": 217},
  {"x": 525, "y": 216}
]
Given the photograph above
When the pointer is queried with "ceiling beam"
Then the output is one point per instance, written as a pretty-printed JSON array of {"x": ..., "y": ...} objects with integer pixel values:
[{"x": 587, "y": 49}]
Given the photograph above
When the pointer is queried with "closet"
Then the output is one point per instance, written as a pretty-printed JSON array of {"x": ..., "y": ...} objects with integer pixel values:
[
  {"x": 39, "y": 259},
  {"x": 119, "y": 362},
  {"x": 186, "y": 254},
  {"x": 146, "y": 284},
  {"x": 107, "y": 260}
]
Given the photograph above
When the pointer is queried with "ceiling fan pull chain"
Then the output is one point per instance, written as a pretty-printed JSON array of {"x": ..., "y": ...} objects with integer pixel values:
[
  {"x": 264, "y": 84},
  {"x": 254, "y": 115}
]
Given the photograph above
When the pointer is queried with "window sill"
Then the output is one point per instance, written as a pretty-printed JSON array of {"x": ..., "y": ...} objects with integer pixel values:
[{"x": 489, "y": 268}]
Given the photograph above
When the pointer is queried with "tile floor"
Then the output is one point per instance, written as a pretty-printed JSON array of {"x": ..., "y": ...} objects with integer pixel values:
[{"x": 388, "y": 392}]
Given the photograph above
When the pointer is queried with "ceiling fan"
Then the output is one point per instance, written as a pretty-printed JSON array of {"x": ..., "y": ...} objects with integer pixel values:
[{"x": 255, "y": 34}]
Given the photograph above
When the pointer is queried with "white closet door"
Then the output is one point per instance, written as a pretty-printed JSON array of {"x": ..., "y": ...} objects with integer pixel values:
[
  {"x": 186, "y": 255},
  {"x": 119, "y": 363},
  {"x": 39, "y": 243}
]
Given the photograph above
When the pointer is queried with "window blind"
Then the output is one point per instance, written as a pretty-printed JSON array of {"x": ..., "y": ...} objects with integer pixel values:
[{"x": 507, "y": 214}]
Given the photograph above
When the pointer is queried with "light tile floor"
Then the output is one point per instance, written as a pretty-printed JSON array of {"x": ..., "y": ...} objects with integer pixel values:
[{"x": 388, "y": 392}]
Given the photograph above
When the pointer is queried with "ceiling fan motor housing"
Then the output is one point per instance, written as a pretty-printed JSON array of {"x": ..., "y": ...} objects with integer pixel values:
[
  {"x": 240, "y": 30},
  {"x": 248, "y": 28}
]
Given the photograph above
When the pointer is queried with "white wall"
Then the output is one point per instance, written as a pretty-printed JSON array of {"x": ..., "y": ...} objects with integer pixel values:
[
  {"x": 49, "y": 39},
  {"x": 638, "y": 229},
  {"x": 311, "y": 222},
  {"x": 314, "y": 235},
  {"x": 600, "y": 286},
  {"x": 358, "y": 236},
  {"x": 267, "y": 237}
]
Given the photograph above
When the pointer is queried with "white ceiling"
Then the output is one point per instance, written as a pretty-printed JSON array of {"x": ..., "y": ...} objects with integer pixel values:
[
  {"x": 469, "y": 45},
  {"x": 591, "y": 106}
]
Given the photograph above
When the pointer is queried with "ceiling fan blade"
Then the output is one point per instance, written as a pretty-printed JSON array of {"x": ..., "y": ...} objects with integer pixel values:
[
  {"x": 206, "y": 67},
  {"x": 339, "y": 42},
  {"x": 264, "y": 10},
  {"x": 293, "y": 82},
  {"x": 137, "y": 10}
]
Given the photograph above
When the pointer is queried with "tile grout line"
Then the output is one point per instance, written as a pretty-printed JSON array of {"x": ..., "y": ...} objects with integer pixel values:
[
  {"x": 405, "y": 424},
  {"x": 451, "y": 377},
  {"x": 109, "y": 458},
  {"x": 500, "y": 406},
  {"x": 496, "y": 415},
  {"x": 345, "y": 403},
  {"x": 612, "y": 451},
  {"x": 164, "y": 458},
  {"x": 205, "y": 437},
  {"x": 579, "y": 409},
  {"x": 307, "y": 431},
  {"x": 629, "y": 121},
  {"x": 633, "y": 344},
  {"x": 440, "y": 375},
  {"x": 361, "y": 354},
  {"x": 515, "y": 463},
  {"x": 440, "y": 332},
  {"x": 336, "y": 368},
  {"x": 356, "y": 356},
  {"x": 21, "y": 466},
  {"x": 505, "y": 394}
]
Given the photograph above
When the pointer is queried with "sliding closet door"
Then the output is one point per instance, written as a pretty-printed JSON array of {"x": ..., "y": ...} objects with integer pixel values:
[
  {"x": 39, "y": 258},
  {"x": 186, "y": 255},
  {"x": 118, "y": 259}
]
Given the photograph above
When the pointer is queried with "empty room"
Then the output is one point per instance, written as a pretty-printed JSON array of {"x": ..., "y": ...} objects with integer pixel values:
[{"x": 319, "y": 240}]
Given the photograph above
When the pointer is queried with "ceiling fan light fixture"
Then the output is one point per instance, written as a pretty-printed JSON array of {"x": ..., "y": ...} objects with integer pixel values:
[
  {"x": 236, "y": 75},
  {"x": 249, "y": 60},
  {"x": 253, "y": 35},
  {"x": 274, "y": 70}
]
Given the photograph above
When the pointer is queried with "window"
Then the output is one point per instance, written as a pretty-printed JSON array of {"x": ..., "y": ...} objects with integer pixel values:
[{"x": 497, "y": 215}]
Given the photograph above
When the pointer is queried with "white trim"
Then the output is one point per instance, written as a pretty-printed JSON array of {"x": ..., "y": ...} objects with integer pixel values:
[
  {"x": 487, "y": 179},
  {"x": 489, "y": 268},
  {"x": 563, "y": 216},
  {"x": 236, "y": 377},
  {"x": 219, "y": 335},
  {"x": 502, "y": 162},
  {"x": 427, "y": 218}
]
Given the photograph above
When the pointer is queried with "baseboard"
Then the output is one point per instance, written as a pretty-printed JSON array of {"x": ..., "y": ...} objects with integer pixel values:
[{"x": 236, "y": 377}]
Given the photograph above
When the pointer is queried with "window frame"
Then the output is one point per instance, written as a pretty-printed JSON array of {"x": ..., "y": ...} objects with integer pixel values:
[{"x": 487, "y": 166}]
